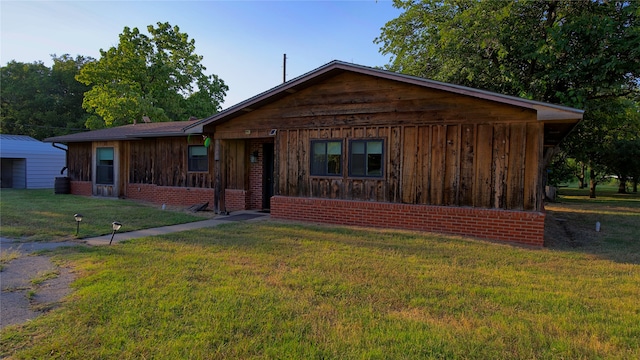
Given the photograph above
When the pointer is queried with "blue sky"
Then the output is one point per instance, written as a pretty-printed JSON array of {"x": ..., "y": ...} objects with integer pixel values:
[{"x": 243, "y": 42}]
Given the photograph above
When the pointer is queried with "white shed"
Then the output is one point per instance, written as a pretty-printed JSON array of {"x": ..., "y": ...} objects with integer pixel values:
[{"x": 28, "y": 163}]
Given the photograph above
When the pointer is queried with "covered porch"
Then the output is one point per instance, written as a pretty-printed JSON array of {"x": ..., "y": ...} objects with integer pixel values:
[{"x": 244, "y": 169}]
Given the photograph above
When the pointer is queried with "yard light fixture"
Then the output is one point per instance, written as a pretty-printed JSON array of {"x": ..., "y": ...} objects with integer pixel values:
[
  {"x": 115, "y": 226},
  {"x": 78, "y": 218}
]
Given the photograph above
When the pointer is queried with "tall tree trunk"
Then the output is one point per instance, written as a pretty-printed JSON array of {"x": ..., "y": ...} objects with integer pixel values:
[
  {"x": 592, "y": 184},
  {"x": 581, "y": 184},
  {"x": 635, "y": 183},
  {"x": 622, "y": 184}
]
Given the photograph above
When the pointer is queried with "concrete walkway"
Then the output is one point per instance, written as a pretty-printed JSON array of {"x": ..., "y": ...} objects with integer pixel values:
[{"x": 220, "y": 219}]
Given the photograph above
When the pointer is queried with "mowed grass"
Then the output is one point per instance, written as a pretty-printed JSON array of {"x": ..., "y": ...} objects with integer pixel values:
[
  {"x": 267, "y": 289},
  {"x": 35, "y": 215}
]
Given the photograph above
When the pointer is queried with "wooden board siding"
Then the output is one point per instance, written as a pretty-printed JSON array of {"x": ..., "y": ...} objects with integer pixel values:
[
  {"x": 467, "y": 163},
  {"x": 409, "y": 165},
  {"x": 498, "y": 166},
  {"x": 163, "y": 162},
  {"x": 533, "y": 195},
  {"x": 79, "y": 157},
  {"x": 438, "y": 139},
  {"x": 439, "y": 148},
  {"x": 483, "y": 159},
  {"x": 236, "y": 159},
  {"x": 142, "y": 161},
  {"x": 515, "y": 167}
]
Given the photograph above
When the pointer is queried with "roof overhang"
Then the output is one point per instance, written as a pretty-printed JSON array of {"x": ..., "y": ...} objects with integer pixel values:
[{"x": 126, "y": 132}]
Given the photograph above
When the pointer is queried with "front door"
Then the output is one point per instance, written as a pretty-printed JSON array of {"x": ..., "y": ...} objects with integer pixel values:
[{"x": 267, "y": 175}]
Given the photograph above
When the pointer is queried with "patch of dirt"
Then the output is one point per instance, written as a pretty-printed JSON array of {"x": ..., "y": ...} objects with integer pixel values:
[
  {"x": 563, "y": 229},
  {"x": 22, "y": 298}
]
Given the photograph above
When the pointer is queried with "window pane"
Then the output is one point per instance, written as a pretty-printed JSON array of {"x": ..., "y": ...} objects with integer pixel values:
[
  {"x": 374, "y": 147},
  {"x": 104, "y": 153},
  {"x": 198, "y": 164},
  {"x": 357, "y": 147},
  {"x": 374, "y": 164},
  {"x": 318, "y": 158},
  {"x": 104, "y": 174},
  {"x": 333, "y": 164},
  {"x": 357, "y": 164},
  {"x": 334, "y": 148},
  {"x": 319, "y": 148},
  {"x": 197, "y": 151},
  {"x": 318, "y": 164}
]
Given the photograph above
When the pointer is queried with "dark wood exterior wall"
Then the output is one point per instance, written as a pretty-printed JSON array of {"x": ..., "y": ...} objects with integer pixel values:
[
  {"x": 158, "y": 161},
  {"x": 164, "y": 162},
  {"x": 79, "y": 157},
  {"x": 236, "y": 174},
  {"x": 439, "y": 148}
]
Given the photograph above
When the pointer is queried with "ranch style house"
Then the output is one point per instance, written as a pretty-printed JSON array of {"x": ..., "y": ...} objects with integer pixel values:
[{"x": 344, "y": 144}]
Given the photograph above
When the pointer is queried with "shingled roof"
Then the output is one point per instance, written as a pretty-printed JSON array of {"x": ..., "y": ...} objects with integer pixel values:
[
  {"x": 546, "y": 112},
  {"x": 126, "y": 132}
]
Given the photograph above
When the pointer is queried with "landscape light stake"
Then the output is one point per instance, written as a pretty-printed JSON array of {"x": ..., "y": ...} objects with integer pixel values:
[
  {"x": 78, "y": 218},
  {"x": 115, "y": 226}
]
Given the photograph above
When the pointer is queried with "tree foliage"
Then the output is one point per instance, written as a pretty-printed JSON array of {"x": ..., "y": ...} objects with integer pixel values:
[
  {"x": 558, "y": 51},
  {"x": 159, "y": 76},
  {"x": 623, "y": 158},
  {"x": 579, "y": 53},
  {"x": 41, "y": 102}
]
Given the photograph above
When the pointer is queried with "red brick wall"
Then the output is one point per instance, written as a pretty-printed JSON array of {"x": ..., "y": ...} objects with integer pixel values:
[
  {"x": 255, "y": 176},
  {"x": 170, "y": 195},
  {"x": 235, "y": 200},
  {"x": 513, "y": 226},
  {"x": 256, "y": 173},
  {"x": 84, "y": 188}
]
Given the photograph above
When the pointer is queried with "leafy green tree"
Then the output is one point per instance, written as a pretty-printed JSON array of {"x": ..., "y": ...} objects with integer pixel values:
[
  {"x": 68, "y": 92},
  {"x": 158, "y": 76},
  {"x": 623, "y": 159},
  {"x": 561, "y": 169},
  {"x": 578, "y": 53},
  {"x": 39, "y": 101},
  {"x": 607, "y": 122},
  {"x": 558, "y": 51},
  {"x": 24, "y": 106}
]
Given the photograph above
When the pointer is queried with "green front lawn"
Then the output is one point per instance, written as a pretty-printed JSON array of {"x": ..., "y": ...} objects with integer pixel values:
[
  {"x": 34, "y": 215},
  {"x": 278, "y": 290}
]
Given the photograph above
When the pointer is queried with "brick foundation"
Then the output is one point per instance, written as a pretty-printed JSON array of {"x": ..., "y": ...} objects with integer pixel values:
[
  {"x": 513, "y": 226},
  {"x": 84, "y": 188},
  {"x": 170, "y": 195},
  {"x": 236, "y": 200}
]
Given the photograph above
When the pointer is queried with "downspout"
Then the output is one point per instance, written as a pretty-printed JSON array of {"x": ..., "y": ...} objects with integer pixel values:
[{"x": 66, "y": 156}]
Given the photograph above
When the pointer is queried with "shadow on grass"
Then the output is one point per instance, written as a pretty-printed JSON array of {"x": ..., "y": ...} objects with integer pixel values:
[{"x": 571, "y": 224}]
